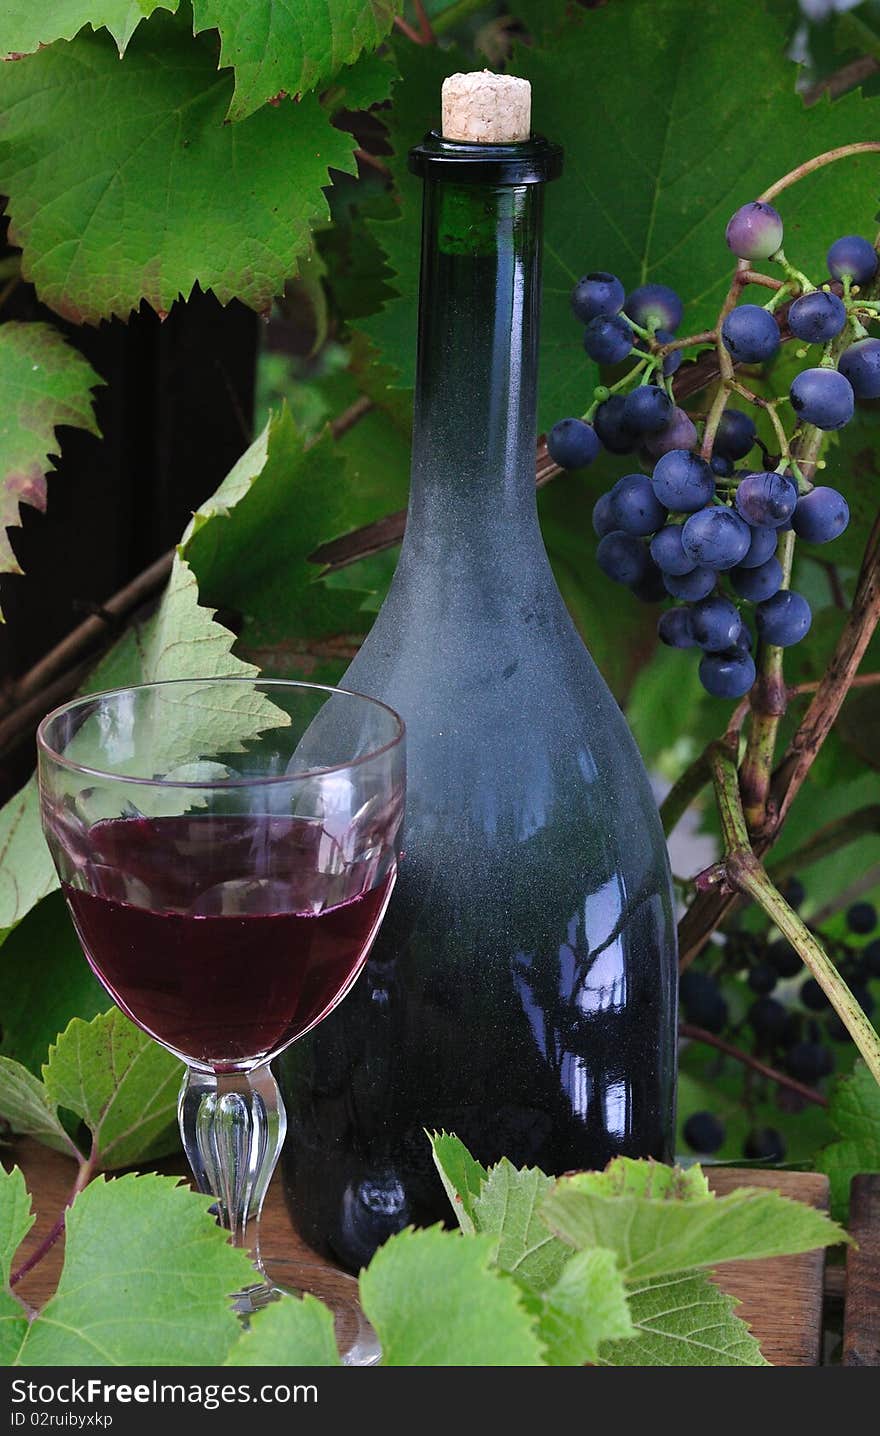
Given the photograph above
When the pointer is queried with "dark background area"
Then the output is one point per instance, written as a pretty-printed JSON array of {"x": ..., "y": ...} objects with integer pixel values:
[{"x": 175, "y": 413}]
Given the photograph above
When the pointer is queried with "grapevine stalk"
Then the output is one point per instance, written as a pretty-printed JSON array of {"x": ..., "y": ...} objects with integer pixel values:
[{"x": 746, "y": 875}]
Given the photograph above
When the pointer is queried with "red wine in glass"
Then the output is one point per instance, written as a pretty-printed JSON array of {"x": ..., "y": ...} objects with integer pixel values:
[
  {"x": 208, "y": 956},
  {"x": 227, "y": 848}
]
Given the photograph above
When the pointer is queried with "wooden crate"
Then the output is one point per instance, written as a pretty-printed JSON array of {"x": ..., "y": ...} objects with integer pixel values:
[{"x": 781, "y": 1297}]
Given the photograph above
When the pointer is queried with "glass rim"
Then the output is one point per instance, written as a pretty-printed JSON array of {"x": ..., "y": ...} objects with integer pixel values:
[{"x": 46, "y": 749}]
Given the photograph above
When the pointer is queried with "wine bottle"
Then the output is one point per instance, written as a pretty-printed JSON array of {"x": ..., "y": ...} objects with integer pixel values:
[{"x": 522, "y": 991}]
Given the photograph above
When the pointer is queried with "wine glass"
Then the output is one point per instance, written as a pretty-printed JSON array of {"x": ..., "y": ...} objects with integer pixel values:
[{"x": 227, "y": 849}]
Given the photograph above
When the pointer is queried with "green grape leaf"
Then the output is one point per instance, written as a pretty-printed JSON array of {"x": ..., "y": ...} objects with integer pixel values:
[
  {"x": 27, "y": 873},
  {"x": 26, "y": 25},
  {"x": 121, "y": 1083},
  {"x": 683, "y": 1320},
  {"x": 367, "y": 82},
  {"x": 26, "y": 1105},
  {"x": 227, "y": 207},
  {"x": 16, "y": 1220},
  {"x": 44, "y": 981},
  {"x": 690, "y": 153},
  {"x": 461, "y": 1174},
  {"x": 280, "y": 48},
  {"x": 248, "y": 545},
  {"x": 434, "y": 1301},
  {"x": 43, "y": 383},
  {"x": 146, "y": 1280},
  {"x": 585, "y": 1306},
  {"x": 509, "y": 1206},
  {"x": 179, "y": 640},
  {"x": 854, "y": 1110},
  {"x": 660, "y": 1220},
  {"x": 291, "y": 1332}
]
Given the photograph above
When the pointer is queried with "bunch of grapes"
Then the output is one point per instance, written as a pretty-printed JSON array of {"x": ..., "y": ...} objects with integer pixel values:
[
  {"x": 790, "y": 1022},
  {"x": 701, "y": 526}
]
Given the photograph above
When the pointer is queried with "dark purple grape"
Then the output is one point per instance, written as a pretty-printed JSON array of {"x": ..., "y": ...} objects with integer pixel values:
[
  {"x": 622, "y": 558},
  {"x": 861, "y": 918},
  {"x": 812, "y": 996},
  {"x": 750, "y": 334},
  {"x": 808, "y": 1061},
  {"x": 701, "y": 1000},
  {"x": 766, "y": 500},
  {"x": 692, "y": 586},
  {"x": 743, "y": 643},
  {"x": 854, "y": 257},
  {"x": 715, "y": 537},
  {"x": 863, "y": 997},
  {"x": 763, "y": 978},
  {"x": 608, "y": 423},
  {"x": 720, "y": 466},
  {"x": 674, "y": 628},
  {"x": 727, "y": 675},
  {"x": 703, "y": 1133},
  {"x": 767, "y": 1017},
  {"x": 821, "y": 515},
  {"x": 634, "y": 506},
  {"x": 754, "y": 231},
  {"x": 715, "y": 623},
  {"x": 784, "y": 958},
  {"x": 667, "y": 552},
  {"x": 761, "y": 547},
  {"x": 603, "y": 519},
  {"x": 735, "y": 434},
  {"x": 678, "y": 434},
  {"x": 673, "y": 360},
  {"x": 860, "y": 364},
  {"x": 764, "y": 1144},
  {"x": 649, "y": 588},
  {"x": 654, "y": 306},
  {"x": 817, "y": 317},
  {"x": 783, "y": 619},
  {"x": 756, "y": 584},
  {"x": 608, "y": 339},
  {"x": 835, "y": 1029},
  {"x": 871, "y": 958},
  {"x": 822, "y": 397},
  {"x": 682, "y": 481},
  {"x": 572, "y": 444},
  {"x": 793, "y": 891},
  {"x": 647, "y": 410},
  {"x": 597, "y": 293}
]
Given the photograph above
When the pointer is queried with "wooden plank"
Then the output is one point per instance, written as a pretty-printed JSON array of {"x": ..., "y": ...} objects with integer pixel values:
[
  {"x": 781, "y": 1296},
  {"x": 861, "y": 1318}
]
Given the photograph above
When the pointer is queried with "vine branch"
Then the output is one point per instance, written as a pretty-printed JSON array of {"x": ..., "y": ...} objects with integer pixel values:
[
  {"x": 699, "y": 1034},
  {"x": 745, "y": 874}
]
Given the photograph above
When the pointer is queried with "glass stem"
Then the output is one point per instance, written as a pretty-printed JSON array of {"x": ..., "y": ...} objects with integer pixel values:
[{"x": 233, "y": 1126}]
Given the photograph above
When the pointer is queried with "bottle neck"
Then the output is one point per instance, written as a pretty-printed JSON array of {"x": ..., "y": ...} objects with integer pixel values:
[{"x": 473, "y": 459}]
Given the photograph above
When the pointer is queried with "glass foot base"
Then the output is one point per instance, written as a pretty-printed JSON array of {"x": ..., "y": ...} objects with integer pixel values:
[{"x": 357, "y": 1341}]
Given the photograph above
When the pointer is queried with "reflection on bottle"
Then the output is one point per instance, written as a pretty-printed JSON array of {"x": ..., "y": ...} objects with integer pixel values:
[{"x": 372, "y": 1210}]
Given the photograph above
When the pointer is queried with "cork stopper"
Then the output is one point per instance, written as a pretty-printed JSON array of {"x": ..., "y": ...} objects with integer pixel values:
[{"x": 485, "y": 108}]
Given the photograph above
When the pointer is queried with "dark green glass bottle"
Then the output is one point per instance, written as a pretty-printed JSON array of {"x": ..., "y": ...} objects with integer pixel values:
[{"x": 522, "y": 990}]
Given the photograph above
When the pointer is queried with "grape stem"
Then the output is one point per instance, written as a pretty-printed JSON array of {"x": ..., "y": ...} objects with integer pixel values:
[
  {"x": 821, "y": 715},
  {"x": 781, "y": 1079},
  {"x": 769, "y": 407},
  {"x": 746, "y": 875},
  {"x": 87, "y": 1169},
  {"x": 751, "y": 276},
  {"x": 706, "y": 336},
  {"x": 816, "y": 163}
]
